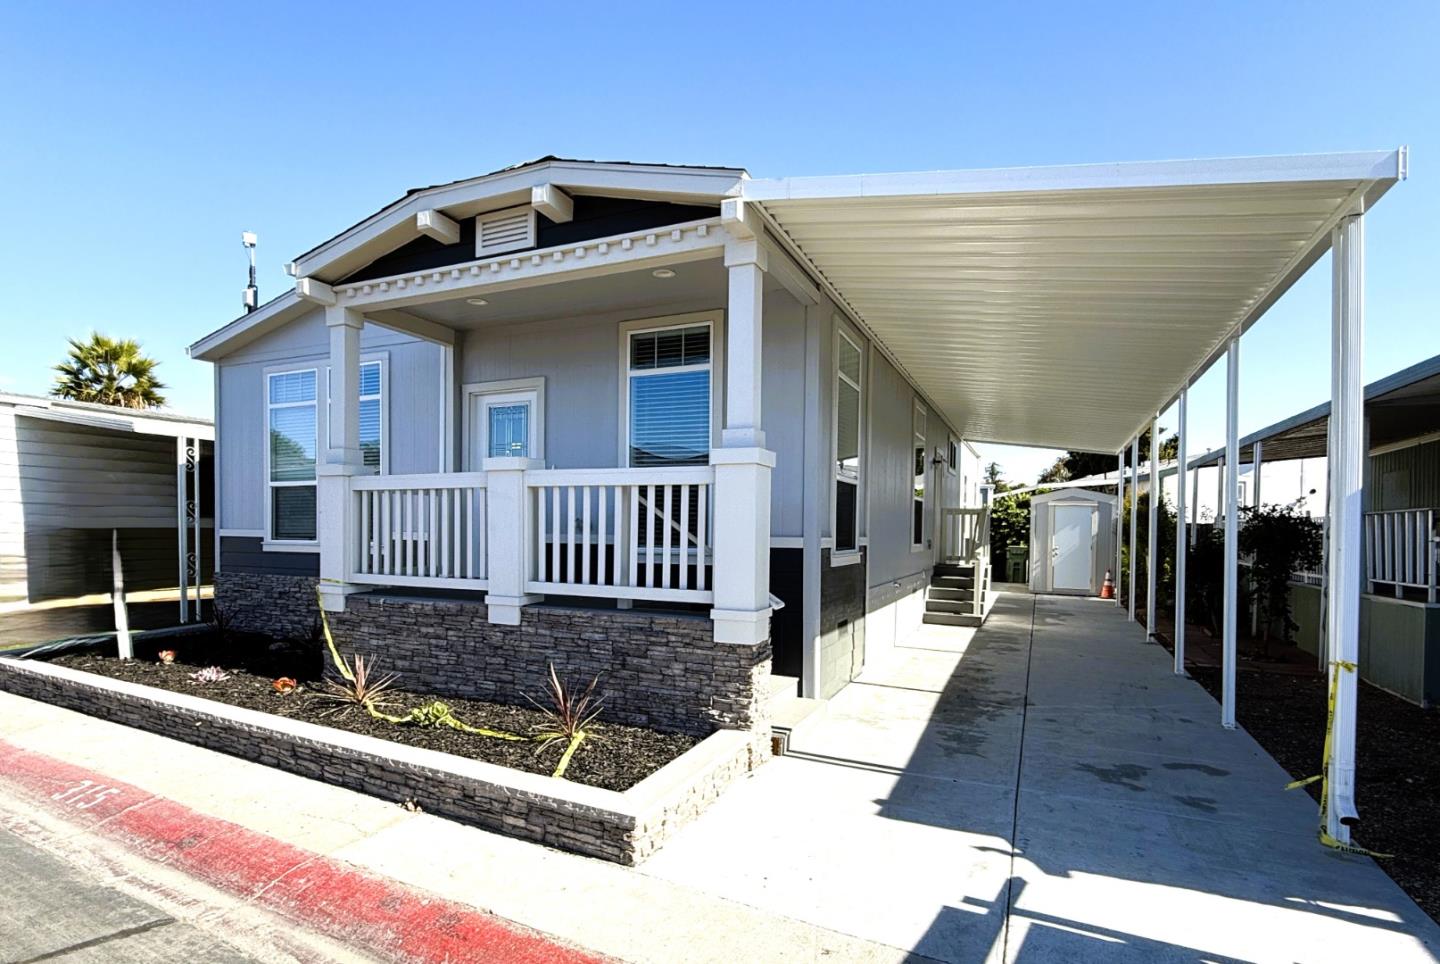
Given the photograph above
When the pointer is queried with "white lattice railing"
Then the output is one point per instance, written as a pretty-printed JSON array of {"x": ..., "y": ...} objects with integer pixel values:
[
  {"x": 1401, "y": 550},
  {"x": 622, "y": 533},
  {"x": 420, "y": 530}
]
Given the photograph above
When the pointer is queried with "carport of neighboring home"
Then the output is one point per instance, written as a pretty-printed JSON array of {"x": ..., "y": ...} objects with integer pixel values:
[{"x": 1067, "y": 307}]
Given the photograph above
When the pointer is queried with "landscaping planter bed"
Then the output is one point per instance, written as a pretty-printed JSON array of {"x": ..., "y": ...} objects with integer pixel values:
[
  {"x": 656, "y": 782},
  {"x": 616, "y": 757}
]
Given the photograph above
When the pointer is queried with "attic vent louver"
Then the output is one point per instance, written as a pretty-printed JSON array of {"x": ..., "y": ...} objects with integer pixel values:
[{"x": 508, "y": 230}]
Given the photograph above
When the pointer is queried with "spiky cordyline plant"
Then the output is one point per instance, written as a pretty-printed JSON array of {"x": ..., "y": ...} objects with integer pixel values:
[
  {"x": 358, "y": 686},
  {"x": 108, "y": 371},
  {"x": 567, "y": 717}
]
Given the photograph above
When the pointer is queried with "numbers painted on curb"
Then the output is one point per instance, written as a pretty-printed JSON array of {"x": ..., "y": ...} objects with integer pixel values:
[{"x": 85, "y": 794}]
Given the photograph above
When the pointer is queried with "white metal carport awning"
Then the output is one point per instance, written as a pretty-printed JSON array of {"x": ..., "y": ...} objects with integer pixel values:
[{"x": 1064, "y": 306}]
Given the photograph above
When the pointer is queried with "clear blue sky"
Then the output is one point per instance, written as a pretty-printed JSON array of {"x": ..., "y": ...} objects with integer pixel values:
[{"x": 142, "y": 138}]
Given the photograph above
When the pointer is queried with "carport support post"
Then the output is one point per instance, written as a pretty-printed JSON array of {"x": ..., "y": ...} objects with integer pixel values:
[
  {"x": 1181, "y": 549},
  {"x": 1119, "y": 519},
  {"x": 1153, "y": 542},
  {"x": 1347, "y": 465},
  {"x": 1134, "y": 516},
  {"x": 1232, "y": 530}
]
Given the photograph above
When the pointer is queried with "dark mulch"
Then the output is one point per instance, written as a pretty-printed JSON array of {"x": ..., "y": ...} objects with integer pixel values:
[
  {"x": 1398, "y": 765},
  {"x": 615, "y": 758}
]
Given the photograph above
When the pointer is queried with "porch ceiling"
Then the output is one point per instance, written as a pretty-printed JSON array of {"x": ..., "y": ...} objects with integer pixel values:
[{"x": 1064, "y": 306}]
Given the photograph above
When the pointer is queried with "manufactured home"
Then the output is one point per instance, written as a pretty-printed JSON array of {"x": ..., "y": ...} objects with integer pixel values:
[{"x": 702, "y": 434}]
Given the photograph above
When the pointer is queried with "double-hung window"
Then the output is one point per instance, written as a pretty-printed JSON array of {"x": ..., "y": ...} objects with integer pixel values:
[
  {"x": 848, "y": 408},
  {"x": 917, "y": 524},
  {"x": 668, "y": 382},
  {"x": 292, "y": 423}
]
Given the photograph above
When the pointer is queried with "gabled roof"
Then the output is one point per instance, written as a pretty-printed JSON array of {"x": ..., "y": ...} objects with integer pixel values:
[{"x": 394, "y": 224}]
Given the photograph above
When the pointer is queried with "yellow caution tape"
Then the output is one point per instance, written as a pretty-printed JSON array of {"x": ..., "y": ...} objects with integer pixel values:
[{"x": 1324, "y": 775}]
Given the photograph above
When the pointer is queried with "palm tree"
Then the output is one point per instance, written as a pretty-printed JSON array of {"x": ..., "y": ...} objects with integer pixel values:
[{"x": 108, "y": 371}]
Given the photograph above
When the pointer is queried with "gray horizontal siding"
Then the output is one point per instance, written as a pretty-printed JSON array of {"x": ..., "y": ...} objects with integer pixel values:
[
  {"x": 246, "y": 555},
  {"x": 79, "y": 477}
]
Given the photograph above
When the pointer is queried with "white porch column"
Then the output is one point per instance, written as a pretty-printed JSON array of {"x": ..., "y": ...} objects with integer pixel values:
[
  {"x": 1119, "y": 517},
  {"x": 1347, "y": 466},
  {"x": 1134, "y": 517},
  {"x": 342, "y": 458},
  {"x": 1182, "y": 547},
  {"x": 1232, "y": 531},
  {"x": 742, "y": 464},
  {"x": 508, "y": 518},
  {"x": 1152, "y": 548}
]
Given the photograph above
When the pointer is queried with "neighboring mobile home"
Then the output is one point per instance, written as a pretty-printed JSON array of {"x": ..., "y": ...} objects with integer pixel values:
[
  {"x": 1400, "y": 578},
  {"x": 518, "y": 418},
  {"x": 78, "y": 480}
]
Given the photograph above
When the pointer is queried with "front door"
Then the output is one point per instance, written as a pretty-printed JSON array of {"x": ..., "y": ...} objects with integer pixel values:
[
  {"x": 502, "y": 424},
  {"x": 1072, "y": 563}
]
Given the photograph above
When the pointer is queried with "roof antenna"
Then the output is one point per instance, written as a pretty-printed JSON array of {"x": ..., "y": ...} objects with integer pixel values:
[{"x": 252, "y": 293}]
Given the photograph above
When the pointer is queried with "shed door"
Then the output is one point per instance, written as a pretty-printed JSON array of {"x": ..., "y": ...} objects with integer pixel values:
[{"x": 1072, "y": 561}]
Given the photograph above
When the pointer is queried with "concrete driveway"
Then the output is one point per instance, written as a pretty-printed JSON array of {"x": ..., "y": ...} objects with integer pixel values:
[{"x": 1043, "y": 788}]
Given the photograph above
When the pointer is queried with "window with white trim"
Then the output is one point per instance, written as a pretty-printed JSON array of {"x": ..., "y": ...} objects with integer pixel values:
[
  {"x": 952, "y": 456},
  {"x": 848, "y": 412},
  {"x": 291, "y": 417},
  {"x": 917, "y": 515},
  {"x": 669, "y": 390}
]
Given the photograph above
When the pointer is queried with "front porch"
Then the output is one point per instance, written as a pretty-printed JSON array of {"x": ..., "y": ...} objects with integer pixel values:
[{"x": 687, "y": 526}]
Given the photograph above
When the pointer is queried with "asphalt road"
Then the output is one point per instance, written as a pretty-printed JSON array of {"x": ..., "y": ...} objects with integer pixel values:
[{"x": 52, "y": 911}]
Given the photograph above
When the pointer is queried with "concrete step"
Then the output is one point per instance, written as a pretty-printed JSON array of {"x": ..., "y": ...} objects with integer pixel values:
[
  {"x": 949, "y": 570},
  {"x": 949, "y": 595},
  {"x": 948, "y": 606},
  {"x": 789, "y": 715},
  {"x": 951, "y": 619},
  {"x": 953, "y": 582},
  {"x": 781, "y": 686}
]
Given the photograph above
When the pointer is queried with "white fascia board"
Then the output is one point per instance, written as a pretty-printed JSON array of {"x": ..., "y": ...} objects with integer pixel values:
[
  {"x": 1359, "y": 166},
  {"x": 395, "y": 224},
  {"x": 137, "y": 424},
  {"x": 248, "y": 327}
]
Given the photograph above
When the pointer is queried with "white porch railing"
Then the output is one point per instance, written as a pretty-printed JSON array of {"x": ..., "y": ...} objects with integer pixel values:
[
  {"x": 1401, "y": 551},
  {"x": 606, "y": 533},
  {"x": 962, "y": 533},
  {"x": 420, "y": 530},
  {"x": 622, "y": 533}
]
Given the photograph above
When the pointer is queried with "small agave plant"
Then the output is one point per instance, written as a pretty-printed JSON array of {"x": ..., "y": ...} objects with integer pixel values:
[
  {"x": 210, "y": 674},
  {"x": 166, "y": 656}
]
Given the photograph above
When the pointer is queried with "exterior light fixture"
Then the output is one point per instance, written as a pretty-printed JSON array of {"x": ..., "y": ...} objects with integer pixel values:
[
  {"x": 663, "y": 273},
  {"x": 476, "y": 301}
]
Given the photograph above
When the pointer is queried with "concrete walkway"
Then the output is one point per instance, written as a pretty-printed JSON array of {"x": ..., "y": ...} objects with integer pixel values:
[
  {"x": 1043, "y": 789},
  {"x": 1040, "y": 789}
]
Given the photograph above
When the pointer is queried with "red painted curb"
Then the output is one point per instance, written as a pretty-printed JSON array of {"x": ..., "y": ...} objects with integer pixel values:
[{"x": 325, "y": 895}]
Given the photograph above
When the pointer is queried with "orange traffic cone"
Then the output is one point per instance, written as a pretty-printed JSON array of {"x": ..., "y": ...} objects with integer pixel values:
[{"x": 1107, "y": 589}]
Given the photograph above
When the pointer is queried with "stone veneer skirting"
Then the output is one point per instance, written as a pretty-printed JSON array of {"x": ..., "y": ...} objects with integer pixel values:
[
  {"x": 660, "y": 670},
  {"x": 622, "y": 827},
  {"x": 279, "y": 605}
]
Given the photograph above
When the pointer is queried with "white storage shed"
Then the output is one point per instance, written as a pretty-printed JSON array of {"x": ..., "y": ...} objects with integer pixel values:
[{"x": 1072, "y": 541}]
